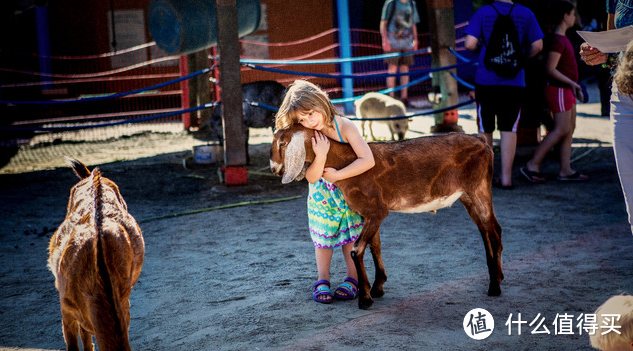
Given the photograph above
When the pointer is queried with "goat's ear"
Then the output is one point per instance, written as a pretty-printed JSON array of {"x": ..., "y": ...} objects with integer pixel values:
[{"x": 295, "y": 158}]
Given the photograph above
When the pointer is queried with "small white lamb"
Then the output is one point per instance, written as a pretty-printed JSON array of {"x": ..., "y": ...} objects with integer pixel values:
[{"x": 377, "y": 105}]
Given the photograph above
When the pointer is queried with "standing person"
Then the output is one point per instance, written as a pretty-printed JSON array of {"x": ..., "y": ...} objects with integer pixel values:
[
  {"x": 561, "y": 91},
  {"x": 332, "y": 223},
  {"x": 500, "y": 94},
  {"x": 619, "y": 14},
  {"x": 399, "y": 34}
]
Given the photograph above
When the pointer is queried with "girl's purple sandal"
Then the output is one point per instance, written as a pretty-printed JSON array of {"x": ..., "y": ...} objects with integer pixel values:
[
  {"x": 347, "y": 291},
  {"x": 322, "y": 291}
]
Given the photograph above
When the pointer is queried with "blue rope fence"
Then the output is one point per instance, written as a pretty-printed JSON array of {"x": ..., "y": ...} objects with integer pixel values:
[
  {"x": 145, "y": 119},
  {"x": 255, "y": 65},
  {"x": 111, "y": 96},
  {"x": 357, "y": 76},
  {"x": 326, "y": 61}
]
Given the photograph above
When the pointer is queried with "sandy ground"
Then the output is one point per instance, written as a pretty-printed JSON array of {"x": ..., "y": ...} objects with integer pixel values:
[{"x": 239, "y": 278}]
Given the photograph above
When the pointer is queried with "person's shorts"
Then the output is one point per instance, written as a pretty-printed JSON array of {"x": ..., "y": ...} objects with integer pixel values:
[
  {"x": 559, "y": 99},
  {"x": 502, "y": 102},
  {"x": 407, "y": 60}
]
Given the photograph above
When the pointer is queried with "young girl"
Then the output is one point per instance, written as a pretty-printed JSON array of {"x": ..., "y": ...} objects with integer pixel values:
[
  {"x": 560, "y": 93},
  {"x": 332, "y": 223}
]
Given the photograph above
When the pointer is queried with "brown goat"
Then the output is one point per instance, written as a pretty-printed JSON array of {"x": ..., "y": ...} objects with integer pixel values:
[
  {"x": 415, "y": 175},
  {"x": 96, "y": 256}
]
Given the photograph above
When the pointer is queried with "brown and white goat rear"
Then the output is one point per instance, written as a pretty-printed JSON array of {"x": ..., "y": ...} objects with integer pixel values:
[
  {"x": 96, "y": 256},
  {"x": 415, "y": 175}
]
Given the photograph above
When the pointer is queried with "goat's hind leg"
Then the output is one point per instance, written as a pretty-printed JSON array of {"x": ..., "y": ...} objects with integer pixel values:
[
  {"x": 482, "y": 213},
  {"x": 370, "y": 229},
  {"x": 70, "y": 328},
  {"x": 381, "y": 276},
  {"x": 86, "y": 340}
]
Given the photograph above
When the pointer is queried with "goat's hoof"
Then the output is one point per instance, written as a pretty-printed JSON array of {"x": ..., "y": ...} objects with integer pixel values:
[
  {"x": 375, "y": 292},
  {"x": 365, "y": 304},
  {"x": 494, "y": 290}
]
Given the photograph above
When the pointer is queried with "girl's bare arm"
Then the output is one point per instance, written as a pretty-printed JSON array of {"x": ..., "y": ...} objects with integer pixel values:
[{"x": 364, "y": 160}]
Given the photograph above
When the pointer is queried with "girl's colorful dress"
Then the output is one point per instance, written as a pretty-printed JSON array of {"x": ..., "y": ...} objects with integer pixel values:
[{"x": 332, "y": 223}]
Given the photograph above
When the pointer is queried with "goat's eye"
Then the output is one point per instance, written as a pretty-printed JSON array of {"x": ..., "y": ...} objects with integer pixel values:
[{"x": 282, "y": 143}]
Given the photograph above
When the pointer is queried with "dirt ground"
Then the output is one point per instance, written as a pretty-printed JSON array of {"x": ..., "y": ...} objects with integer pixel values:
[{"x": 239, "y": 278}]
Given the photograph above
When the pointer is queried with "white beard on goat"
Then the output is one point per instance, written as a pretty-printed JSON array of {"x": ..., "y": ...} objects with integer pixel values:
[{"x": 294, "y": 159}]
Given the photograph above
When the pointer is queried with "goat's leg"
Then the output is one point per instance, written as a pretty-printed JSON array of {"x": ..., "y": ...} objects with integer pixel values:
[
  {"x": 364, "y": 299},
  {"x": 482, "y": 213},
  {"x": 370, "y": 229},
  {"x": 381, "y": 276},
  {"x": 70, "y": 328},
  {"x": 371, "y": 131},
  {"x": 86, "y": 339}
]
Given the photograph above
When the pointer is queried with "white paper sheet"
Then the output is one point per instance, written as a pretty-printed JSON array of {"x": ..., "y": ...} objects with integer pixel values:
[{"x": 609, "y": 41}]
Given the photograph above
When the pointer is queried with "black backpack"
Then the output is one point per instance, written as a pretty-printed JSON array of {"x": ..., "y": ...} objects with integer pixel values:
[{"x": 504, "y": 54}]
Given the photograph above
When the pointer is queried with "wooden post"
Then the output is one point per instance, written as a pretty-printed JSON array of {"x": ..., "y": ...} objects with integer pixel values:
[
  {"x": 184, "y": 96},
  {"x": 231, "y": 88},
  {"x": 199, "y": 89},
  {"x": 442, "y": 27}
]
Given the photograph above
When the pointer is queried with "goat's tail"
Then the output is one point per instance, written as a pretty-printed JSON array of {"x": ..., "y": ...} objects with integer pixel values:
[{"x": 110, "y": 329}]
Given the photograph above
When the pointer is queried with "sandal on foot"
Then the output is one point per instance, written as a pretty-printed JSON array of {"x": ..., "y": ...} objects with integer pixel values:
[
  {"x": 576, "y": 177},
  {"x": 533, "y": 177},
  {"x": 347, "y": 291},
  {"x": 322, "y": 291}
]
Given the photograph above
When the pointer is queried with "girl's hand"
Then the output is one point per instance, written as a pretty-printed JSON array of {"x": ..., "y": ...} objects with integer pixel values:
[
  {"x": 592, "y": 56},
  {"x": 330, "y": 174},
  {"x": 320, "y": 144}
]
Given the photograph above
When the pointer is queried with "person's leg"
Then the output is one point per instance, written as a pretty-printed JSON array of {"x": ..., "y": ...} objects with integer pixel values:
[
  {"x": 509, "y": 100},
  {"x": 351, "y": 268},
  {"x": 404, "y": 93},
  {"x": 485, "y": 113},
  {"x": 560, "y": 132},
  {"x": 508, "y": 150},
  {"x": 391, "y": 80},
  {"x": 323, "y": 261},
  {"x": 349, "y": 262},
  {"x": 622, "y": 118},
  {"x": 565, "y": 145}
]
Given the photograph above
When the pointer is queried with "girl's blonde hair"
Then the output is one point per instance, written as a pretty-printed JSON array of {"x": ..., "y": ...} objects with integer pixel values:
[
  {"x": 623, "y": 76},
  {"x": 303, "y": 96},
  {"x": 619, "y": 305}
]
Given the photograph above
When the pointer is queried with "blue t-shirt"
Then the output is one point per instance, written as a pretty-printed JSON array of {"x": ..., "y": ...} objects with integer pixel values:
[
  {"x": 480, "y": 26},
  {"x": 623, "y": 11},
  {"x": 403, "y": 17}
]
